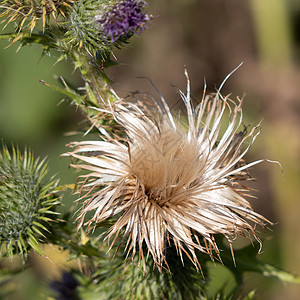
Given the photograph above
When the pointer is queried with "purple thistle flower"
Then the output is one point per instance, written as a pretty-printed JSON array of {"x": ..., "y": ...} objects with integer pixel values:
[{"x": 124, "y": 19}]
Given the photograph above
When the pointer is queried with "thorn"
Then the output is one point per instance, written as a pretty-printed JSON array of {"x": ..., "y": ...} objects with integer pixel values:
[
  {"x": 232, "y": 254},
  {"x": 42, "y": 81}
]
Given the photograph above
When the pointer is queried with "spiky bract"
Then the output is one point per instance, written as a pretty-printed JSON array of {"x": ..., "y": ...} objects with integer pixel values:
[
  {"x": 115, "y": 279},
  {"x": 166, "y": 185},
  {"x": 28, "y": 12},
  {"x": 81, "y": 26},
  {"x": 27, "y": 201}
]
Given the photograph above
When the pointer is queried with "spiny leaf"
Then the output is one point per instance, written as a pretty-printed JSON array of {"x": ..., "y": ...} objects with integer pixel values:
[
  {"x": 78, "y": 99},
  {"x": 246, "y": 261}
]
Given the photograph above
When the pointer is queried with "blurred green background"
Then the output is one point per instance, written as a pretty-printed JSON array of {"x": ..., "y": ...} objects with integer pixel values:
[{"x": 210, "y": 38}]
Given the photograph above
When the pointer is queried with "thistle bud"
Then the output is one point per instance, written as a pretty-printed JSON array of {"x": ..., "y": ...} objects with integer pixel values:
[
  {"x": 27, "y": 202},
  {"x": 97, "y": 26}
]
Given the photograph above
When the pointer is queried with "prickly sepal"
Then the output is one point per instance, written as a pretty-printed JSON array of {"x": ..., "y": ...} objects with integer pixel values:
[
  {"x": 117, "y": 277},
  {"x": 27, "y": 202}
]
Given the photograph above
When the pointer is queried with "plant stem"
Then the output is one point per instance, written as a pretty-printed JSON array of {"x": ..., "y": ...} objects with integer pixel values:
[{"x": 97, "y": 83}]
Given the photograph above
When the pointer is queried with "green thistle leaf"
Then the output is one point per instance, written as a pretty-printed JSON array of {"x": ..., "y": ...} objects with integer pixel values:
[{"x": 246, "y": 261}]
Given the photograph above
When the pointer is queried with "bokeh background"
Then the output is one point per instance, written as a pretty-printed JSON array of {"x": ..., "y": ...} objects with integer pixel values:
[{"x": 210, "y": 39}]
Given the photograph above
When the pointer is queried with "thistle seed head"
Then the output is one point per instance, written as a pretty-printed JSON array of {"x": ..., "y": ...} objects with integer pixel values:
[{"x": 170, "y": 185}]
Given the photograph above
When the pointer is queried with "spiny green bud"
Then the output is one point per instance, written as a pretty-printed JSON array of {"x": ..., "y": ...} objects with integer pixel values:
[
  {"x": 27, "y": 202},
  {"x": 82, "y": 30}
]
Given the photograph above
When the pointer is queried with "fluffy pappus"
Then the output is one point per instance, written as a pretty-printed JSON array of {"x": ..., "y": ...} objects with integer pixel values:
[{"x": 165, "y": 183}]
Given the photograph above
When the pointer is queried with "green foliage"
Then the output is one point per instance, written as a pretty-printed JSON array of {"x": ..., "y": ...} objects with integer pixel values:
[
  {"x": 246, "y": 261},
  {"x": 27, "y": 202},
  {"x": 130, "y": 282},
  {"x": 112, "y": 275}
]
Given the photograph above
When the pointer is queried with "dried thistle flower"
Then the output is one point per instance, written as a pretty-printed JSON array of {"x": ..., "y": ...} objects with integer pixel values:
[{"x": 168, "y": 185}]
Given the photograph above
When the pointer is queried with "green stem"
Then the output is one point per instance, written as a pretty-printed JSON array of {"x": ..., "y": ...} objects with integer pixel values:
[{"x": 97, "y": 83}]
